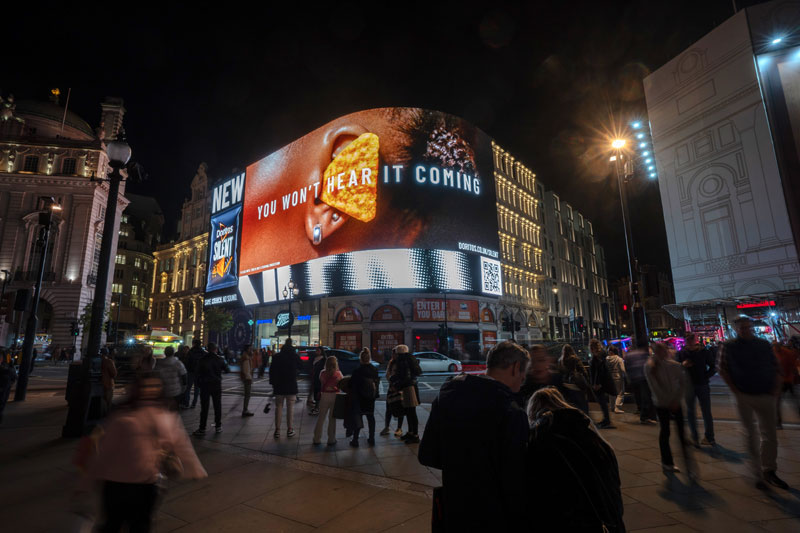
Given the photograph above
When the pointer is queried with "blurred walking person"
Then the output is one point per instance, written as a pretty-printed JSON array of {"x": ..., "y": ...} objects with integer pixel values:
[
  {"x": 246, "y": 373},
  {"x": 141, "y": 443},
  {"x": 193, "y": 358},
  {"x": 404, "y": 379},
  {"x": 541, "y": 373},
  {"x": 8, "y": 375},
  {"x": 364, "y": 385},
  {"x": 635, "y": 361},
  {"x": 572, "y": 471},
  {"x": 574, "y": 379},
  {"x": 668, "y": 384},
  {"x": 390, "y": 366},
  {"x": 616, "y": 368},
  {"x": 477, "y": 436},
  {"x": 329, "y": 378},
  {"x": 283, "y": 378},
  {"x": 750, "y": 369},
  {"x": 173, "y": 374},
  {"x": 108, "y": 373},
  {"x": 602, "y": 383},
  {"x": 209, "y": 376},
  {"x": 701, "y": 365},
  {"x": 789, "y": 364}
]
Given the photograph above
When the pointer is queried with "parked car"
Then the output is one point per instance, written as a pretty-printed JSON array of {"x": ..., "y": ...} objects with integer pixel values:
[{"x": 436, "y": 362}]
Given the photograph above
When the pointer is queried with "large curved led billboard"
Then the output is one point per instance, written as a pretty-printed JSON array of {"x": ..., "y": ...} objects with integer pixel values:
[{"x": 383, "y": 199}]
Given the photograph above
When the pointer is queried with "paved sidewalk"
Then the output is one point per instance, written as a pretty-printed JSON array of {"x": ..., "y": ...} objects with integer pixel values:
[{"x": 258, "y": 482}]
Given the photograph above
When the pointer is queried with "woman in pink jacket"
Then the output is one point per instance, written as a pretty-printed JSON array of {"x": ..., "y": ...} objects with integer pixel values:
[{"x": 130, "y": 456}]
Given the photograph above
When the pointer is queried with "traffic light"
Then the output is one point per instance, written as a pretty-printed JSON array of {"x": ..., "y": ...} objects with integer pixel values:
[
  {"x": 516, "y": 325},
  {"x": 506, "y": 324},
  {"x": 74, "y": 331}
]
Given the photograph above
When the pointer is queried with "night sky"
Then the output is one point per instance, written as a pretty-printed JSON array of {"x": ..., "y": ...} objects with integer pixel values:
[{"x": 230, "y": 85}]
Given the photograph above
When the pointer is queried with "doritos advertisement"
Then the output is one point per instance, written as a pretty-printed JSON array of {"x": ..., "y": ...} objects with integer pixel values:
[
  {"x": 378, "y": 179},
  {"x": 222, "y": 261}
]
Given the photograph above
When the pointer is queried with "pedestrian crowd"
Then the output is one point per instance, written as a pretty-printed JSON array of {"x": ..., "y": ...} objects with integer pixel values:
[{"x": 526, "y": 418}]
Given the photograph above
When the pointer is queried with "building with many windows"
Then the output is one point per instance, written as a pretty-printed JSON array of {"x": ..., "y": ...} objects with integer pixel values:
[
  {"x": 579, "y": 305},
  {"x": 179, "y": 274},
  {"x": 48, "y": 152},
  {"x": 139, "y": 233}
]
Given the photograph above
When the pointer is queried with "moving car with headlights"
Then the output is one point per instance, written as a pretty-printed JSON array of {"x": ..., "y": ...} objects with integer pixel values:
[
  {"x": 436, "y": 362},
  {"x": 348, "y": 361}
]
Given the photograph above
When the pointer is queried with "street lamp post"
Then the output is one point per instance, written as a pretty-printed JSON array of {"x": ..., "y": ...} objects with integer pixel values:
[
  {"x": 118, "y": 153},
  {"x": 45, "y": 219},
  {"x": 289, "y": 293},
  {"x": 624, "y": 174}
]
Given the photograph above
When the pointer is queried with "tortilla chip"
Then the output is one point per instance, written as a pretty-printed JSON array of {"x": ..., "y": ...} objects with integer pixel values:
[{"x": 350, "y": 183}]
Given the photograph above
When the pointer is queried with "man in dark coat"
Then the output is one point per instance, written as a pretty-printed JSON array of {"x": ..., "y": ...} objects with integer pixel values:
[
  {"x": 477, "y": 436},
  {"x": 209, "y": 377},
  {"x": 192, "y": 359},
  {"x": 283, "y": 378},
  {"x": 601, "y": 380},
  {"x": 364, "y": 386}
]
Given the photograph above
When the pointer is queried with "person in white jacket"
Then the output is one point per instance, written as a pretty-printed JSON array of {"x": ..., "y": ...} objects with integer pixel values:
[{"x": 668, "y": 381}]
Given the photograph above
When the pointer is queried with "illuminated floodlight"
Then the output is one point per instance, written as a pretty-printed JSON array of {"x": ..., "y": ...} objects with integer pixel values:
[
  {"x": 642, "y": 145},
  {"x": 613, "y": 158},
  {"x": 651, "y": 167},
  {"x": 618, "y": 143},
  {"x": 773, "y": 314},
  {"x": 776, "y": 40},
  {"x": 645, "y": 153},
  {"x": 636, "y": 125},
  {"x": 640, "y": 135},
  {"x": 652, "y": 174},
  {"x": 648, "y": 161}
]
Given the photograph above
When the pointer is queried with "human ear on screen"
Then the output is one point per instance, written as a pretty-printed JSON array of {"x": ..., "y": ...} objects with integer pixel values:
[{"x": 323, "y": 220}]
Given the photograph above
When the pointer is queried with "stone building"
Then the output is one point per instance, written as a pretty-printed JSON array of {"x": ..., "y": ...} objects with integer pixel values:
[
  {"x": 139, "y": 233},
  {"x": 47, "y": 151},
  {"x": 178, "y": 280},
  {"x": 724, "y": 116}
]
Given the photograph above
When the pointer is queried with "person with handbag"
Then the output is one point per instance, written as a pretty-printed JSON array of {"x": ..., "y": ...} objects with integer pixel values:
[
  {"x": 364, "y": 386},
  {"x": 404, "y": 379},
  {"x": 246, "y": 373},
  {"x": 574, "y": 379},
  {"x": 582, "y": 487},
  {"x": 142, "y": 443},
  {"x": 393, "y": 397},
  {"x": 602, "y": 383},
  {"x": 329, "y": 379}
]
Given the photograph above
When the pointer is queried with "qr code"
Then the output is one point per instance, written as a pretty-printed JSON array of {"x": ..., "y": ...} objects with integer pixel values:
[{"x": 490, "y": 277}]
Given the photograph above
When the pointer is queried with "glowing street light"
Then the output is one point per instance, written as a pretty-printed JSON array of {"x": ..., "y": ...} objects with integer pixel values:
[
  {"x": 618, "y": 144},
  {"x": 776, "y": 40}
]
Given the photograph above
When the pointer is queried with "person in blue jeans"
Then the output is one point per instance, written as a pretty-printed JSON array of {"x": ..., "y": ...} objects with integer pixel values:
[{"x": 700, "y": 364}]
